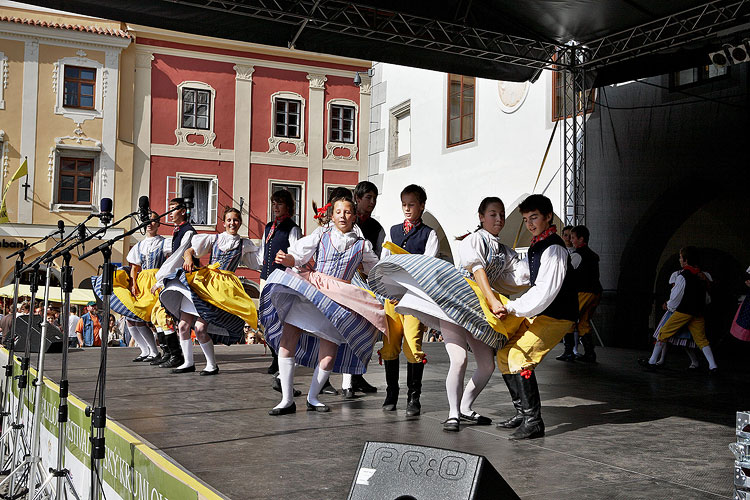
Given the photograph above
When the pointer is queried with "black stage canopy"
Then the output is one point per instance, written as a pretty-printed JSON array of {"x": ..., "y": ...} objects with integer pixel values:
[{"x": 498, "y": 39}]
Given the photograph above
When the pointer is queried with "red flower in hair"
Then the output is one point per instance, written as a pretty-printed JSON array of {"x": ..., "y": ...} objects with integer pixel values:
[{"x": 322, "y": 211}]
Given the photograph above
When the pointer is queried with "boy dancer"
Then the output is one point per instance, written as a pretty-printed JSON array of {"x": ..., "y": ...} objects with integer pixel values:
[
  {"x": 415, "y": 237},
  {"x": 551, "y": 308}
]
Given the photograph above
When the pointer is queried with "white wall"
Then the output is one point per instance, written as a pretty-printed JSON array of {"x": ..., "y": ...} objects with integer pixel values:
[{"x": 503, "y": 160}]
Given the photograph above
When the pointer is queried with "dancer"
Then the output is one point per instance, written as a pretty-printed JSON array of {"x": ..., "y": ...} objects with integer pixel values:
[
  {"x": 417, "y": 238},
  {"x": 278, "y": 235},
  {"x": 131, "y": 292},
  {"x": 461, "y": 301},
  {"x": 687, "y": 302},
  {"x": 213, "y": 295},
  {"x": 551, "y": 307},
  {"x": 741, "y": 325},
  {"x": 318, "y": 318}
]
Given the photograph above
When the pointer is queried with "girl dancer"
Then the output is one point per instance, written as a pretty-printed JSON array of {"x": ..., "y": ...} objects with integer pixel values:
[
  {"x": 461, "y": 303},
  {"x": 320, "y": 314},
  {"x": 132, "y": 295},
  {"x": 213, "y": 294},
  {"x": 741, "y": 324}
]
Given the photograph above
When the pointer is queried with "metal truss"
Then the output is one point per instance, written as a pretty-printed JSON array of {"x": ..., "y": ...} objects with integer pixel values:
[
  {"x": 575, "y": 104},
  {"x": 379, "y": 25}
]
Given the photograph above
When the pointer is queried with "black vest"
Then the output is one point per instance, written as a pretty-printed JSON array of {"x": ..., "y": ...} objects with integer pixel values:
[
  {"x": 565, "y": 305},
  {"x": 694, "y": 297},
  {"x": 177, "y": 239},
  {"x": 415, "y": 241},
  {"x": 370, "y": 230},
  {"x": 586, "y": 275},
  {"x": 279, "y": 241}
]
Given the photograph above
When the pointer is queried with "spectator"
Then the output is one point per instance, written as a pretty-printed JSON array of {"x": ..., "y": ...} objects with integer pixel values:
[
  {"x": 88, "y": 327},
  {"x": 115, "y": 338},
  {"x": 72, "y": 323}
]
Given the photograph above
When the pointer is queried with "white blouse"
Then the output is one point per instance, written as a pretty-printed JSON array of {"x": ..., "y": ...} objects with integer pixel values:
[
  {"x": 678, "y": 290},
  {"x": 202, "y": 244},
  {"x": 472, "y": 255},
  {"x": 148, "y": 245},
  {"x": 304, "y": 249},
  {"x": 174, "y": 261},
  {"x": 549, "y": 280}
]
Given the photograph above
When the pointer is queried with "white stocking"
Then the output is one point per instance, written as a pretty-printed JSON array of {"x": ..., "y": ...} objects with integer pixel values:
[
  {"x": 454, "y": 338},
  {"x": 708, "y": 353},
  {"x": 485, "y": 359},
  {"x": 346, "y": 381},
  {"x": 208, "y": 352},
  {"x": 663, "y": 355},
  {"x": 286, "y": 378},
  {"x": 658, "y": 347},
  {"x": 148, "y": 337},
  {"x": 135, "y": 332},
  {"x": 187, "y": 353},
  {"x": 318, "y": 381}
]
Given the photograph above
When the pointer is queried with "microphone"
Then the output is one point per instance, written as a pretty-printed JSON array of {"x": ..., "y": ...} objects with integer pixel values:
[
  {"x": 105, "y": 211},
  {"x": 82, "y": 235},
  {"x": 143, "y": 209},
  {"x": 61, "y": 227},
  {"x": 188, "y": 195}
]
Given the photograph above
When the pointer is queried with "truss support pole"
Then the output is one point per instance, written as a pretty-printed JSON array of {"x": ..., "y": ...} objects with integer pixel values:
[{"x": 575, "y": 103}]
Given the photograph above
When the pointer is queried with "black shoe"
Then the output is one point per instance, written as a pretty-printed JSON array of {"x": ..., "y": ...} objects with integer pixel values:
[
  {"x": 476, "y": 418},
  {"x": 158, "y": 359},
  {"x": 589, "y": 355},
  {"x": 275, "y": 412},
  {"x": 320, "y": 409},
  {"x": 644, "y": 362},
  {"x": 531, "y": 409},
  {"x": 187, "y": 369},
  {"x": 586, "y": 358},
  {"x": 515, "y": 420},
  {"x": 276, "y": 386},
  {"x": 359, "y": 384},
  {"x": 149, "y": 359},
  {"x": 714, "y": 371},
  {"x": 414, "y": 372},
  {"x": 215, "y": 371},
  {"x": 567, "y": 355},
  {"x": 329, "y": 389},
  {"x": 451, "y": 425},
  {"x": 140, "y": 358},
  {"x": 391, "y": 379},
  {"x": 172, "y": 362},
  {"x": 349, "y": 394}
]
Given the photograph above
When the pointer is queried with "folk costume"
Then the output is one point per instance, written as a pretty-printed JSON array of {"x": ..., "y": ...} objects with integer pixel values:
[
  {"x": 405, "y": 330},
  {"x": 741, "y": 325},
  {"x": 214, "y": 293},
  {"x": 551, "y": 307},
  {"x": 448, "y": 298},
  {"x": 324, "y": 304}
]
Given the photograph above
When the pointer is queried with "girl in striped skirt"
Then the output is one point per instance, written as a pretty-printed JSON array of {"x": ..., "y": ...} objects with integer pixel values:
[
  {"x": 317, "y": 317},
  {"x": 211, "y": 300},
  {"x": 461, "y": 303},
  {"x": 132, "y": 295}
]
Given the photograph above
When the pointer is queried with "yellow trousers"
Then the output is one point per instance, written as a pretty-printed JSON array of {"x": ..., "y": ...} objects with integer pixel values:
[
  {"x": 406, "y": 330},
  {"x": 587, "y": 303},
  {"x": 161, "y": 320},
  {"x": 528, "y": 346},
  {"x": 696, "y": 325}
]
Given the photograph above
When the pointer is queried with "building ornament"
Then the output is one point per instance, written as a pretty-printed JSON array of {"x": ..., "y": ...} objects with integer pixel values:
[
  {"x": 332, "y": 146},
  {"x": 4, "y": 70},
  {"x": 244, "y": 73},
  {"x": 317, "y": 81}
]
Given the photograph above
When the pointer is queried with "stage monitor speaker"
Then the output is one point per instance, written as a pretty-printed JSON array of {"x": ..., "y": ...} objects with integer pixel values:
[
  {"x": 54, "y": 335},
  {"x": 391, "y": 471}
]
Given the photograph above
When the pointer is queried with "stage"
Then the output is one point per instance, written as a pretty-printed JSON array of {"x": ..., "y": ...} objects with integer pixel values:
[{"x": 613, "y": 430}]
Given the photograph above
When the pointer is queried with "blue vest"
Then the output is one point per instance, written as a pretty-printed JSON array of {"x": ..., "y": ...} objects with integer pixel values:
[
  {"x": 694, "y": 297},
  {"x": 413, "y": 242},
  {"x": 155, "y": 259},
  {"x": 279, "y": 241},
  {"x": 177, "y": 237},
  {"x": 341, "y": 265},
  {"x": 228, "y": 260},
  {"x": 565, "y": 305}
]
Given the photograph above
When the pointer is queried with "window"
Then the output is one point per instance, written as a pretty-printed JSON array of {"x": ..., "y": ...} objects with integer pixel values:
[
  {"x": 558, "y": 102},
  {"x": 205, "y": 196},
  {"x": 330, "y": 188},
  {"x": 694, "y": 76},
  {"x": 196, "y": 107},
  {"x": 460, "y": 109},
  {"x": 287, "y": 118},
  {"x": 296, "y": 192},
  {"x": 399, "y": 142},
  {"x": 342, "y": 124},
  {"x": 76, "y": 180},
  {"x": 79, "y": 87}
]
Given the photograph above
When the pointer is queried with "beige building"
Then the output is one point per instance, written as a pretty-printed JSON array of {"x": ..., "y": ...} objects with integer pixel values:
[{"x": 63, "y": 81}]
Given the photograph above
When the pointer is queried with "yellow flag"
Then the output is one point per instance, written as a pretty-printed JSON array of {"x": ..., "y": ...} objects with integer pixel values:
[{"x": 22, "y": 170}]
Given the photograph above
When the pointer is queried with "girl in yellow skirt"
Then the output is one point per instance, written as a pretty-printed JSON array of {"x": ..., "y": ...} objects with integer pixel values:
[{"x": 211, "y": 300}]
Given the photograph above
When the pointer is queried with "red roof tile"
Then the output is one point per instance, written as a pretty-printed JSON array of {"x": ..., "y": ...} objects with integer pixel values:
[{"x": 75, "y": 27}]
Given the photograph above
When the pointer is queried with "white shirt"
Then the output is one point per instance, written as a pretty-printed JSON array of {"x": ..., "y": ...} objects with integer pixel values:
[
  {"x": 148, "y": 245},
  {"x": 294, "y": 235},
  {"x": 472, "y": 255},
  {"x": 72, "y": 323},
  {"x": 549, "y": 280},
  {"x": 678, "y": 290},
  {"x": 202, "y": 244},
  {"x": 431, "y": 248},
  {"x": 304, "y": 249},
  {"x": 174, "y": 261}
]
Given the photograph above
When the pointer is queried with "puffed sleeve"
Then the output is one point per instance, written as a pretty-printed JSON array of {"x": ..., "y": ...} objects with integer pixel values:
[
  {"x": 250, "y": 254},
  {"x": 549, "y": 281},
  {"x": 369, "y": 258},
  {"x": 294, "y": 235},
  {"x": 384, "y": 252},
  {"x": 175, "y": 261},
  {"x": 134, "y": 256},
  {"x": 432, "y": 246},
  {"x": 515, "y": 275},
  {"x": 203, "y": 243},
  {"x": 304, "y": 248},
  {"x": 471, "y": 253},
  {"x": 167, "y": 247}
]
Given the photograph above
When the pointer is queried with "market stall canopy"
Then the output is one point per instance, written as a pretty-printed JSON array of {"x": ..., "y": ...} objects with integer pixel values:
[
  {"x": 77, "y": 296},
  {"x": 499, "y": 39}
]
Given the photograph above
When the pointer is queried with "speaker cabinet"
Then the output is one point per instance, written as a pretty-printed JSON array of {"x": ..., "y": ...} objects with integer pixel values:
[
  {"x": 391, "y": 471},
  {"x": 54, "y": 336}
]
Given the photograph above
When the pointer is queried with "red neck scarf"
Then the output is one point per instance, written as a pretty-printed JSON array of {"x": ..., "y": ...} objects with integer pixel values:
[
  {"x": 177, "y": 227},
  {"x": 276, "y": 222},
  {"x": 362, "y": 217},
  {"x": 692, "y": 269},
  {"x": 409, "y": 226},
  {"x": 547, "y": 232}
]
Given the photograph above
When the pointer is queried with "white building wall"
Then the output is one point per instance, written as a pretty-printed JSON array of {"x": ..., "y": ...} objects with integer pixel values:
[{"x": 503, "y": 160}]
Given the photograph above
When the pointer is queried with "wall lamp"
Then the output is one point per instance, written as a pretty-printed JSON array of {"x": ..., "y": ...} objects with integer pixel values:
[{"x": 358, "y": 79}]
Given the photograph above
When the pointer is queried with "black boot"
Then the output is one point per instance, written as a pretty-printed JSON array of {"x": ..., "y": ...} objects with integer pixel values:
[
  {"x": 360, "y": 384},
  {"x": 515, "y": 420},
  {"x": 531, "y": 408},
  {"x": 569, "y": 342},
  {"x": 274, "y": 363},
  {"x": 391, "y": 380},
  {"x": 163, "y": 346},
  {"x": 414, "y": 373},
  {"x": 589, "y": 356},
  {"x": 175, "y": 352}
]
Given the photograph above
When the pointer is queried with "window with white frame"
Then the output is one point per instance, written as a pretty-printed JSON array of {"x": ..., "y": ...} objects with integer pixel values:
[
  {"x": 79, "y": 86},
  {"x": 399, "y": 141},
  {"x": 195, "y": 108},
  {"x": 205, "y": 196},
  {"x": 288, "y": 120},
  {"x": 295, "y": 189},
  {"x": 342, "y": 123},
  {"x": 287, "y": 123},
  {"x": 75, "y": 176},
  {"x": 331, "y": 187}
]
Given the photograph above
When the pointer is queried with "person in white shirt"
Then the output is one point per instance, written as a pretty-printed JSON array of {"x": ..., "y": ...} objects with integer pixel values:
[{"x": 72, "y": 322}]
